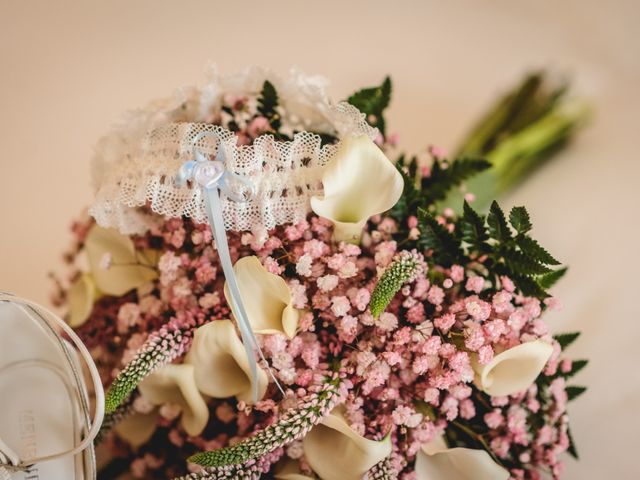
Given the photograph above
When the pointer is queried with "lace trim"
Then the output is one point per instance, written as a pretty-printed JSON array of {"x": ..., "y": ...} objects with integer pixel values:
[{"x": 285, "y": 175}]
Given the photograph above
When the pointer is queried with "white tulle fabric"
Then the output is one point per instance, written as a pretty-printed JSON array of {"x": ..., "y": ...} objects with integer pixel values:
[{"x": 136, "y": 164}]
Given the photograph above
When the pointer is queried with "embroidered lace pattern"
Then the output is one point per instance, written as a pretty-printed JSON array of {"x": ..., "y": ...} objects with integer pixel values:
[{"x": 285, "y": 175}]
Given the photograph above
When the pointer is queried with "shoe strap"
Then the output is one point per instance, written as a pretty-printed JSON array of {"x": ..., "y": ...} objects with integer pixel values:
[{"x": 9, "y": 460}]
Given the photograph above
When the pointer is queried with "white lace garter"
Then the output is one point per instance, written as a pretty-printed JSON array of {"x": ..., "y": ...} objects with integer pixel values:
[{"x": 138, "y": 162}]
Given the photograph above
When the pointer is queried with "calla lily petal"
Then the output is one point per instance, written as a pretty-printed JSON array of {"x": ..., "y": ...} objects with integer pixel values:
[
  {"x": 220, "y": 363},
  {"x": 175, "y": 383},
  {"x": 437, "y": 462},
  {"x": 81, "y": 296},
  {"x": 337, "y": 452},
  {"x": 138, "y": 428},
  {"x": 513, "y": 370},
  {"x": 290, "y": 470},
  {"x": 358, "y": 182},
  {"x": 129, "y": 268},
  {"x": 266, "y": 297}
]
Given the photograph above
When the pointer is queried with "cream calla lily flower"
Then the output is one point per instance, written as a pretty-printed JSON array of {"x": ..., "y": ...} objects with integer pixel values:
[
  {"x": 129, "y": 268},
  {"x": 337, "y": 452},
  {"x": 266, "y": 297},
  {"x": 437, "y": 462},
  {"x": 220, "y": 363},
  {"x": 359, "y": 182},
  {"x": 81, "y": 296},
  {"x": 138, "y": 428},
  {"x": 513, "y": 370},
  {"x": 290, "y": 470},
  {"x": 175, "y": 383}
]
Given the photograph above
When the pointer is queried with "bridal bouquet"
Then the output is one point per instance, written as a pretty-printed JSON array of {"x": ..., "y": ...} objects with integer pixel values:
[{"x": 271, "y": 290}]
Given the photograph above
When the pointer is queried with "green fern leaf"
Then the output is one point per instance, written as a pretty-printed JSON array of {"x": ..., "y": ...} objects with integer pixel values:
[
  {"x": 473, "y": 227},
  {"x": 534, "y": 250},
  {"x": 566, "y": 339},
  {"x": 498, "y": 226},
  {"x": 576, "y": 366},
  {"x": 519, "y": 219},
  {"x": 574, "y": 392},
  {"x": 522, "y": 264},
  {"x": 548, "y": 280},
  {"x": 446, "y": 247},
  {"x": 373, "y": 101}
]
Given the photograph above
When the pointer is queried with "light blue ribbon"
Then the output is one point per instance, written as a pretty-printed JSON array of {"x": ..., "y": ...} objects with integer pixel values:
[{"x": 214, "y": 178}]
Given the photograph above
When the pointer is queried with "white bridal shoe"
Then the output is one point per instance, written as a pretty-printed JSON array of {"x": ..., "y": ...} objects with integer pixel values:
[{"x": 46, "y": 429}]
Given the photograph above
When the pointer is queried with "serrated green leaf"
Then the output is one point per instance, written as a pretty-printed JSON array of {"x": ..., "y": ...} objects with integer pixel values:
[
  {"x": 373, "y": 101},
  {"x": 498, "y": 223},
  {"x": 267, "y": 104},
  {"x": 574, "y": 392},
  {"x": 566, "y": 339},
  {"x": 522, "y": 264},
  {"x": 548, "y": 280},
  {"x": 519, "y": 218},
  {"x": 572, "y": 450},
  {"x": 576, "y": 366},
  {"x": 446, "y": 247},
  {"x": 528, "y": 286},
  {"x": 445, "y": 176},
  {"x": 534, "y": 250},
  {"x": 473, "y": 227}
]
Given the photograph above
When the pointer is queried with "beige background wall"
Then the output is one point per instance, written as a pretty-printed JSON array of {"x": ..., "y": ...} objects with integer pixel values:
[{"x": 67, "y": 69}]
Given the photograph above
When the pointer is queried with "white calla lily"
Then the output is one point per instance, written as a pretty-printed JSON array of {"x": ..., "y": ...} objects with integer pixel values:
[
  {"x": 437, "y": 462},
  {"x": 513, "y": 370},
  {"x": 80, "y": 298},
  {"x": 359, "y": 182},
  {"x": 266, "y": 297},
  {"x": 128, "y": 267},
  {"x": 337, "y": 452},
  {"x": 175, "y": 383},
  {"x": 289, "y": 469},
  {"x": 138, "y": 428},
  {"x": 220, "y": 363}
]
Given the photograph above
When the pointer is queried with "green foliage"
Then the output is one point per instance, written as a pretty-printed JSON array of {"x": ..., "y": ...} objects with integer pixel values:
[
  {"x": 519, "y": 133},
  {"x": 528, "y": 244},
  {"x": 160, "y": 348},
  {"x": 506, "y": 252},
  {"x": 404, "y": 269},
  {"x": 373, "y": 101},
  {"x": 424, "y": 192},
  {"x": 550, "y": 279},
  {"x": 519, "y": 218},
  {"x": 444, "y": 176},
  {"x": 473, "y": 227},
  {"x": 572, "y": 446},
  {"x": 268, "y": 104},
  {"x": 566, "y": 339},
  {"x": 576, "y": 366},
  {"x": 498, "y": 227},
  {"x": 446, "y": 248},
  {"x": 575, "y": 391},
  {"x": 293, "y": 425}
]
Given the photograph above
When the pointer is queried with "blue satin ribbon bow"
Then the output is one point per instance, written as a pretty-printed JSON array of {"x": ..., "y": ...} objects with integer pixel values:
[{"x": 214, "y": 178}]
